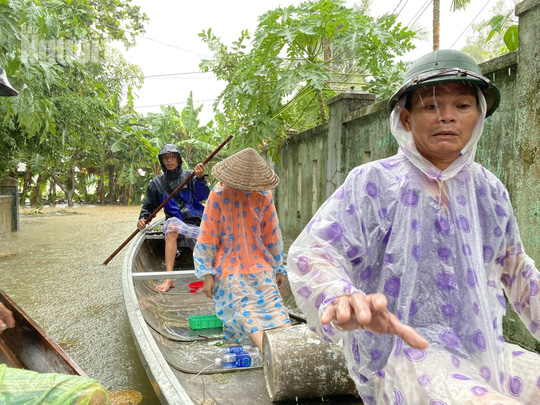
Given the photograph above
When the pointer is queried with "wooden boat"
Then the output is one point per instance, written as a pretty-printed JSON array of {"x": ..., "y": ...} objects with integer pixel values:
[
  {"x": 179, "y": 361},
  {"x": 27, "y": 346}
]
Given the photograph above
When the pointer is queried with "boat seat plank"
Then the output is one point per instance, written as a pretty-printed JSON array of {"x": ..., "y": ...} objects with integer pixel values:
[{"x": 155, "y": 275}]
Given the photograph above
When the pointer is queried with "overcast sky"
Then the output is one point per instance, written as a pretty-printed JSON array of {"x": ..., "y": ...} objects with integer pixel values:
[{"x": 170, "y": 51}]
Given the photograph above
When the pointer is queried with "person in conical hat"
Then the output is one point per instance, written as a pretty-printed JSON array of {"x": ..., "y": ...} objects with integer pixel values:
[
  {"x": 413, "y": 260},
  {"x": 239, "y": 251}
]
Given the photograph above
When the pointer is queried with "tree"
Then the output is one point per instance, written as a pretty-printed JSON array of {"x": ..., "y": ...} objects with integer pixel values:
[
  {"x": 300, "y": 56},
  {"x": 456, "y": 5},
  {"x": 40, "y": 46},
  {"x": 139, "y": 139},
  {"x": 69, "y": 83}
]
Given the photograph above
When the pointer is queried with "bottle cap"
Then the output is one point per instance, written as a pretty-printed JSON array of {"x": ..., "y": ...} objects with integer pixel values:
[{"x": 217, "y": 362}]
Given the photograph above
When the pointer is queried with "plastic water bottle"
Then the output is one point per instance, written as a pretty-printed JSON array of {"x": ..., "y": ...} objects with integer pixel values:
[
  {"x": 240, "y": 349},
  {"x": 240, "y": 360}
]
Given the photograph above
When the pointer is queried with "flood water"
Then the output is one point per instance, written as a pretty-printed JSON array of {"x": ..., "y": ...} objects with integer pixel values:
[{"x": 52, "y": 268}]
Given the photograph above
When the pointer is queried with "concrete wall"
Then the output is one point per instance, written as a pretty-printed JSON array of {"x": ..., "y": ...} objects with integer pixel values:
[
  {"x": 6, "y": 217},
  {"x": 9, "y": 207},
  {"x": 302, "y": 171}
]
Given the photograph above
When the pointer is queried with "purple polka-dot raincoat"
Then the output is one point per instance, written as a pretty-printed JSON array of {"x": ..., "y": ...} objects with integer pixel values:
[{"x": 444, "y": 248}]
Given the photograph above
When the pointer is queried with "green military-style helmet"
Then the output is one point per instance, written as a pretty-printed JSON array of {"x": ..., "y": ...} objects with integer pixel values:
[
  {"x": 5, "y": 87},
  {"x": 444, "y": 66}
]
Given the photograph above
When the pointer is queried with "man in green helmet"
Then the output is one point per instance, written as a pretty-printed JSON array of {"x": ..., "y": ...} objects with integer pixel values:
[{"x": 409, "y": 261}]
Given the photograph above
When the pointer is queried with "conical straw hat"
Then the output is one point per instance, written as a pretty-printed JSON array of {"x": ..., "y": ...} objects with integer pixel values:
[{"x": 246, "y": 171}]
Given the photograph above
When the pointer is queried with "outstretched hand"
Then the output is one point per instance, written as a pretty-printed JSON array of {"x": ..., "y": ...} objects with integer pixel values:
[
  {"x": 359, "y": 311},
  {"x": 6, "y": 318}
]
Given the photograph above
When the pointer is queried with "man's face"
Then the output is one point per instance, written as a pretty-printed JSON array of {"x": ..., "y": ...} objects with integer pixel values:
[
  {"x": 170, "y": 160},
  {"x": 442, "y": 119}
]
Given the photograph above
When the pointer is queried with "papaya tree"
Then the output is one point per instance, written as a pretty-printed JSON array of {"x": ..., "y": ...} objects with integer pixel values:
[{"x": 299, "y": 57}]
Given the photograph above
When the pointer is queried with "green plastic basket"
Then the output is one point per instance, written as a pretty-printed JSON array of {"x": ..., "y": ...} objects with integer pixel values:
[{"x": 204, "y": 322}]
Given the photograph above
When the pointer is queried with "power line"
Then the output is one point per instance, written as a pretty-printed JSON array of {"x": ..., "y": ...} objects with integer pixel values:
[
  {"x": 485, "y": 5},
  {"x": 138, "y": 35},
  {"x": 176, "y": 74},
  {"x": 420, "y": 9},
  {"x": 402, "y": 8},
  {"x": 423, "y": 11},
  {"x": 409, "y": 24},
  {"x": 180, "y": 102},
  {"x": 173, "y": 46},
  {"x": 394, "y": 12}
]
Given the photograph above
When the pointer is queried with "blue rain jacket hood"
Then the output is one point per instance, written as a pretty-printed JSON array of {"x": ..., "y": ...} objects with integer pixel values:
[
  {"x": 186, "y": 205},
  {"x": 169, "y": 148}
]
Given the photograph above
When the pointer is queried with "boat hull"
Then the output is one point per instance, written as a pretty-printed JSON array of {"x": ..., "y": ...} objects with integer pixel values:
[
  {"x": 179, "y": 361},
  {"x": 28, "y": 346}
]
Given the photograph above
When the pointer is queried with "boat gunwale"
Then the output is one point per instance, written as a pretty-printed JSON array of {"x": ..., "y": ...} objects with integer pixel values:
[
  {"x": 157, "y": 368},
  {"x": 47, "y": 342}
]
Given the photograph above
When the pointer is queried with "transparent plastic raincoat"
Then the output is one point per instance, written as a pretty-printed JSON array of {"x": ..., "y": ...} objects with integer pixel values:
[
  {"x": 240, "y": 243},
  {"x": 443, "y": 247}
]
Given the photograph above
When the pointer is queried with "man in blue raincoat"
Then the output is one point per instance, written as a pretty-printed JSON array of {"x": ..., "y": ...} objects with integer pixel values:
[{"x": 183, "y": 211}]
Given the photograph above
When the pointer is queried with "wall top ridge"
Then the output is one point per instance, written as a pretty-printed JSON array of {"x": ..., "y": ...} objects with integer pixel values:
[
  {"x": 308, "y": 133},
  {"x": 502, "y": 62},
  {"x": 351, "y": 95},
  {"x": 527, "y": 5},
  {"x": 362, "y": 112},
  {"x": 9, "y": 182}
]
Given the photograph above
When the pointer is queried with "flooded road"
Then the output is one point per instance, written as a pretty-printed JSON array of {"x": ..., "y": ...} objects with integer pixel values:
[{"x": 52, "y": 268}]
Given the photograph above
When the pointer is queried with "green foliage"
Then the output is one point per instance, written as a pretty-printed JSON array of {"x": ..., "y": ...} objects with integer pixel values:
[
  {"x": 495, "y": 36},
  {"x": 511, "y": 38},
  {"x": 54, "y": 54},
  {"x": 459, "y": 4},
  {"x": 502, "y": 24},
  {"x": 34, "y": 212},
  {"x": 69, "y": 85},
  {"x": 300, "y": 57},
  {"x": 68, "y": 125}
]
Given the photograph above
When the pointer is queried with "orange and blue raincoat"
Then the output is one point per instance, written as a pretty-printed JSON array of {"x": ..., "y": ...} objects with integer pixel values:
[{"x": 240, "y": 243}]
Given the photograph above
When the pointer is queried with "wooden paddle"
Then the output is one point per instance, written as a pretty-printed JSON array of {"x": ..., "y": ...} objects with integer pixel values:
[{"x": 176, "y": 190}]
